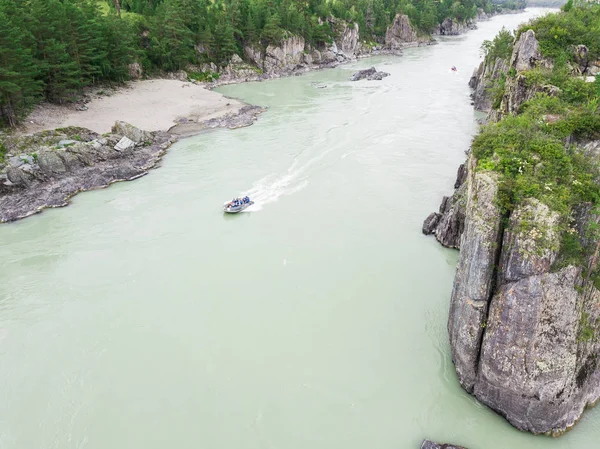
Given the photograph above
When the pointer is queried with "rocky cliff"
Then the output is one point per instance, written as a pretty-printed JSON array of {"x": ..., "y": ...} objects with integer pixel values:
[
  {"x": 294, "y": 55},
  {"x": 492, "y": 76},
  {"x": 523, "y": 328},
  {"x": 524, "y": 321},
  {"x": 452, "y": 27}
]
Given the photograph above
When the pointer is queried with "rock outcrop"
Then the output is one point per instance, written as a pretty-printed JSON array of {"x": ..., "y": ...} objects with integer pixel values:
[
  {"x": 526, "y": 53},
  {"x": 348, "y": 39},
  {"x": 523, "y": 327},
  {"x": 281, "y": 58},
  {"x": 517, "y": 89},
  {"x": 475, "y": 273},
  {"x": 48, "y": 168},
  {"x": 584, "y": 66},
  {"x": 400, "y": 33},
  {"x": 482, "y": 82},
  {"x": 59, "y": 172},
  {"x": 452, "y": 27},
  {"x": 369, "y": 74},
  {"x": 448, "y": 224}
]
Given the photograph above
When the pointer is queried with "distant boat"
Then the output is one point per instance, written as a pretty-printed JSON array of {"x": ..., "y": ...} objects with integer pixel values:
[{"x": 237, "y": 205}]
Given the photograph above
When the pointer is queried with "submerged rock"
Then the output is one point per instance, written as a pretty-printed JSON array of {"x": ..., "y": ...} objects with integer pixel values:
[
  {"x": 369, "y": 74},
  {"x": 431, "y": 445}
]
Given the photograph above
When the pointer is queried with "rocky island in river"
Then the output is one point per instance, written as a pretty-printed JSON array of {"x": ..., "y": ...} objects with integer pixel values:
[{"x": 524, "y": 322}]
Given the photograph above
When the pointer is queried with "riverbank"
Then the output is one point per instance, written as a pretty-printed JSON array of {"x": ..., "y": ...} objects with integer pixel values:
[
  {"x": 294, "y": 57},
  {"x": 170, "y": 105},
  {"x": 167, "y": 108},
  {"x": 116, "y": 135}
]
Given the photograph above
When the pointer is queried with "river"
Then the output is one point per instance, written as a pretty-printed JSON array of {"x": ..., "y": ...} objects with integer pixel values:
[{"x": 142, "y": 317}]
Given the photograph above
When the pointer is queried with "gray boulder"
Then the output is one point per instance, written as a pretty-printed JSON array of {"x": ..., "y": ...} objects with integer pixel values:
[
  {"x": 50, "y": 163},
  {"x": 17, "y": 176},
  {"x": 431, "y": 222},
  {"x": 369, "y": 74},
  {"x": 66, "y": 142},
  {"x": 125, "y": 129}
]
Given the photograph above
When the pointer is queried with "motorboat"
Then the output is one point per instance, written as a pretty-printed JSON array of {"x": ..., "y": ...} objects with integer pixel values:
[{"x": 237, "y": 205}]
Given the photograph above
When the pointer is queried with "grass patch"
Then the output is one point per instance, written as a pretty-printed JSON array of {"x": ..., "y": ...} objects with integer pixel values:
[{"x": 203, "y": 77}]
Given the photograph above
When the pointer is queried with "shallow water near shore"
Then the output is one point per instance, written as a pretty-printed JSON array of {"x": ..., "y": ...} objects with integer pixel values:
[{"x": 142, "y": 317}]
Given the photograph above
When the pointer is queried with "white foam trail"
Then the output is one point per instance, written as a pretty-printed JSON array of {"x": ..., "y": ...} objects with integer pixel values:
[{"x": 272, "y": 187}]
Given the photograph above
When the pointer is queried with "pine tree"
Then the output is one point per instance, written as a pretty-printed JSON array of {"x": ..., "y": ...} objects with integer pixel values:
[
  {"x": 224, "y": 44},
  {"x": 171, "y": 41},
  {"x": 18, "y": 88}
]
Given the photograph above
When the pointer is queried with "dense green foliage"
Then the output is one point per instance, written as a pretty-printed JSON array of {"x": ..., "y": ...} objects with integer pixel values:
[
  {"x": 538, "y": 152},
  {"x": 499, "y": 47},
  {"x": 558, "y": 33},
  {"x": 51, "y": 49}
]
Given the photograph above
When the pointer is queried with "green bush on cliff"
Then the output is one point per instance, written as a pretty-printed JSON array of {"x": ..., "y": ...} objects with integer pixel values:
[
  {"x": 558, "y": 34},
  {"x": 499, "y": 47},
  {"x": 539, "y": 152}
]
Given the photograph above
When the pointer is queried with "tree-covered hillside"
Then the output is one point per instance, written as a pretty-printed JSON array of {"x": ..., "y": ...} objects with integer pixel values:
[{"x": 51, "y": 49}]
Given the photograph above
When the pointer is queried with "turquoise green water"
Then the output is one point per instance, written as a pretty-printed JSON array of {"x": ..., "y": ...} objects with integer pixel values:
[{"x": 141, "y": 317}]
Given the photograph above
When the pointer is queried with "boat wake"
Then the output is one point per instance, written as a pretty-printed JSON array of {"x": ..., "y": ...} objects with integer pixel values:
[
  {"x": 305, "y": 164},
  {"x": 271, "y": 187}
]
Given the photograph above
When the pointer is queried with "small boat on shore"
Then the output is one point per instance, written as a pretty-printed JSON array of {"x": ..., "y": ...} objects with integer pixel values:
[{"x": 237, "y": 205}]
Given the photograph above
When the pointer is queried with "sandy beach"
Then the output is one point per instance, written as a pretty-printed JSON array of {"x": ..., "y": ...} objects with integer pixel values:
[{"x": 152, "y": 105}]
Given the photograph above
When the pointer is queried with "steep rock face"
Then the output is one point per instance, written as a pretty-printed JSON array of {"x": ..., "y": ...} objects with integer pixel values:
[
  {"x": 400, "y": 32},
  {"x": 281, "y": 58},
  {"x": 475, "y": 273},
  {"x": 448, "y": 224},
  {"x": 524, "y": 335},
  {"x": 347, "y": 41},
  {"x": 529, "y": 354},
  {"x": 524, "y": 324},
  {"x": 517, "y": 90},
  {"x": 452, "y": 27},
  {"x": 530, "y": 243},
  {"x": 483, "y": 80},
  {"x": 538, "y": 364},
  {"x": 526, "y": 53},
  {"x": 295, "y": 55},
  {"x": 286, "y": 56}
]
